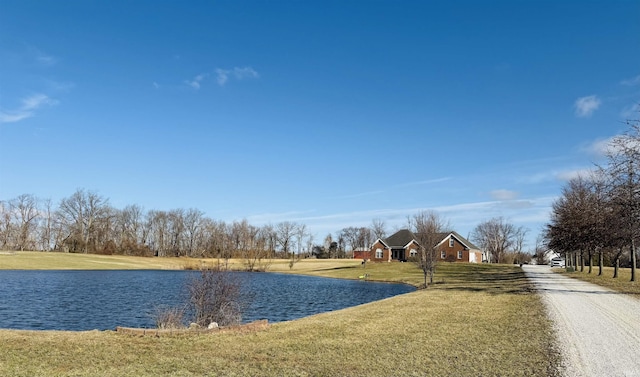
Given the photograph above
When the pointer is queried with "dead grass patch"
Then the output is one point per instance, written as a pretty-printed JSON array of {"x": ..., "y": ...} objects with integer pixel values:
[{"x": 620, "y": 284}]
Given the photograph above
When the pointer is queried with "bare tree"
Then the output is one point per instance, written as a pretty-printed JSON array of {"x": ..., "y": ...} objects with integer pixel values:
[
  {"x": 285, "y": 232},
  {"x": 256, "y": 257},
  {"x": 600, "y": 211},
  {"x": 6, "y": 225},
  {"x": 540, "y": 251},
  {"x": 624, "y": 169},
  {"x": 520, "y": 239},
  {"x": 301, "y": 233},
  {"x": 350, "y": 236},
  {"x": 271, "y": 239},
  {"x": 328, "y": 239},
  {"x": 156, "y": 225},
  {"x": 192, "y": 225},
  {"x": 105, "y": 232},
  {"x": 581, "y": 221},
  {"x": 565, "y": 231},
  {"x": 215, "y": 239},
  {"x": 177, "y": 231},
  {"x": 205, "y": 240},
  {"x": 216, "y": 295},
  {"x": 45, "y": 229},
  {"x": 497, "y": 237},
  {"x": 25, "y": 210},
  {"x": 428, "y": 227},
  {"x": 79, "y": 214},
  {"x": 130, "y": 227},
  {"x": 378, "y": 228},
  {"x": 340, "y": 247},
  {"x": 364, "y": 237},
  {"x": 309, "y": 244},
  {"x": 320, "y": 251},
  {"x": 249, "y": 243}
]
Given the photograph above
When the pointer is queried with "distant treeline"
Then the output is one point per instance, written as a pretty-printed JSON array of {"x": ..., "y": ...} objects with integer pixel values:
[{"x": 85, "y": 222}]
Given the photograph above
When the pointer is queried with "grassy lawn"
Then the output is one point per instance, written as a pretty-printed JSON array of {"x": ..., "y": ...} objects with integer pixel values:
[
  {"x": 621, "y": 284},
  {"x": 30, "y": 260},
  {"x": 477, "y": 320}
]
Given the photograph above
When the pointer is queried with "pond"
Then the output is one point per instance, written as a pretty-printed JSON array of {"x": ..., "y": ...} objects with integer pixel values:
[{"x": 103, "y": 300}]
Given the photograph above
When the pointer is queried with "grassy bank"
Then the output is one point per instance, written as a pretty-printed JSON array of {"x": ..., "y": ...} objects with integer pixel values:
[
  {"x": 478, "y": 320},
  {"x": 31, "y": 260},
  {"x": 621, "y": 284}
]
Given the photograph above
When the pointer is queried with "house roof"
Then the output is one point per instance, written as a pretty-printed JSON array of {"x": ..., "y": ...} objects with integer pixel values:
[
  {"x": 460, "y": 239},
  {"x": 403, "y": 237},
  {"x": 400, "y": 239}
]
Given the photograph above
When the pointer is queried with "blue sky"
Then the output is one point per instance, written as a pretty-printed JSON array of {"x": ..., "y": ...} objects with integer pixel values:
[{"x": 327, "y": 113}]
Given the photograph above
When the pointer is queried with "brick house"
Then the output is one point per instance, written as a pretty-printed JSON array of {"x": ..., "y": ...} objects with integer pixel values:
[{"x": 403, "y": 245}]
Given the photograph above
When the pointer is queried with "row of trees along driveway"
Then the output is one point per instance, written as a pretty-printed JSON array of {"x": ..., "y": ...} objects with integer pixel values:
[{"x": 598, "y": 214}]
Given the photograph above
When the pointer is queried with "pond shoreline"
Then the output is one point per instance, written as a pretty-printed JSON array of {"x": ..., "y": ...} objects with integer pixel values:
[{"x": 82, "y": 300}]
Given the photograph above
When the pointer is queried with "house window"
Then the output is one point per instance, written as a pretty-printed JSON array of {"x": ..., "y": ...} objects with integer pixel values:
[
  {"x": 443, "y": 255},
  {"x": 378, "y": 253},
  {"x": 450, "y": 242},
  {"x": 413, "y": 252},
  {"x": 460, "y": 254}
]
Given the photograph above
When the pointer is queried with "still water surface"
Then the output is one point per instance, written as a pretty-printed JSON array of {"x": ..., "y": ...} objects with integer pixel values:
[{"x": 86, "y": 300}]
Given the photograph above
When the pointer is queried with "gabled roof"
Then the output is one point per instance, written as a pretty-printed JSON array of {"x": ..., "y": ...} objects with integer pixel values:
[
  {"x": 460, "y": 239},
  {"x": 381, "y": 241},
  {"x": 400, "y": 239}
]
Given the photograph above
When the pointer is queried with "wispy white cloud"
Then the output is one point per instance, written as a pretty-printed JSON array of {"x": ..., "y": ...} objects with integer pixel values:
[
  {"x": 515, "y": 204},
  {"x": 6, "y": 117},
  {"x": 562, "y": 175},
  {"x": 156, "y": 85},
  {"x": 400, "y": 185},
  {"x": 536, "y": 178},
  {"x": 195, "y": 82},
  {"x": 58, "y": 86},
  {"x": 613, "y": 144},
  {"x": 40, "y": 57},
  {"x": 599, "y": 147},
  {"x": 273, "y": 218},
  {"x": 630, "y": 112},
  {"x": 585, "y": 106},
  {"x": 360, "y": 194},
  {"x": 27, "y": 108},
  {"x": 425, "y": 182},
  {"x": 223, "y": 75},
  {"x": 631, "y": 82},
  {"x": 503, "y": 194},
  {"x": 46, "y": 59},
  {"x": 530, "y": 212},
  {"x": 37, "y": 100},
  {"x": 568, "y": 175}
]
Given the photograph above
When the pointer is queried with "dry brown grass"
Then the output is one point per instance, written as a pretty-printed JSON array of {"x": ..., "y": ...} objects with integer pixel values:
[
  {"x": 479, "y": 320},
  {"x": 621, "y": 284},
  {"x": 33, "y": 260}
]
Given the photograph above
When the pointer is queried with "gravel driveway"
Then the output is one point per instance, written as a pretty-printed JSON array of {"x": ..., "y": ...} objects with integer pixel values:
[{"x": 598, "y": 329}]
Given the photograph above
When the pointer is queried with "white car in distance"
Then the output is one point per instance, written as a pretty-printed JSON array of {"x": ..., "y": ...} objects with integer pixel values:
[{"x": 557, "y": 262}]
